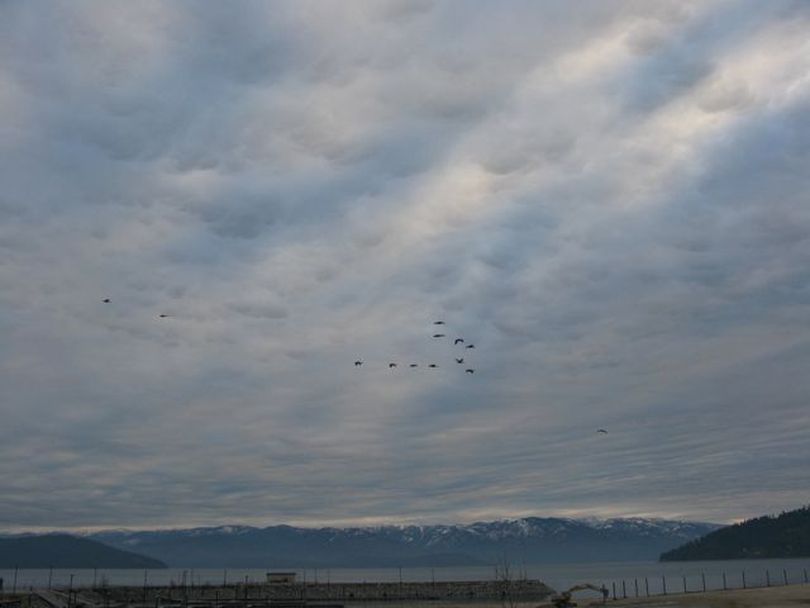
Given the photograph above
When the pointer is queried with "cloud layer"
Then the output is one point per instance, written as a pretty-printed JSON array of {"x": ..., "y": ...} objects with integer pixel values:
[{"x": 608, "y": 199}]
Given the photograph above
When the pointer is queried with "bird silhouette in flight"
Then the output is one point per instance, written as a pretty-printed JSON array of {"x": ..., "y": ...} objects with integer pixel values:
[
  {"x": 469, "y": 371},
  {"x": 460, "y": 361},
  {"x": 358, "y": 363},
  {"x": 163, "y": 315},
  {"x": 602, "y": 431},
  {"x": 414, "y": 365},
  {"x": 433, "y": 365},
  {"x": 106, "y": 300},
  {"x": 459, "y": 341},
  {"x": 438, "y": 335},
  {"x": 392, "y": 365},
  {"x": 471, "y": 346},
  {"x": 438, "y": 322}
]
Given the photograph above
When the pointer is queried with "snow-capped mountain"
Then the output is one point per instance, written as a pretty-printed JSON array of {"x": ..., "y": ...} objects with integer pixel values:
[{"x": 526, "y": 540}]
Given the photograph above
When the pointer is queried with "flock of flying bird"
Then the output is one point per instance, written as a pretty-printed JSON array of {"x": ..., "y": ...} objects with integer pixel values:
[
  {"x": 459, "y": 360},
  {"x": 437, "y": 336},
  {"x": 160, "y": 316},
  {"x": 394, "y": 365}
]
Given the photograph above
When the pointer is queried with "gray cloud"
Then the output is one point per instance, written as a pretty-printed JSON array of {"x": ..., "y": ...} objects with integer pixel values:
[{"x": 608, "y": 201}]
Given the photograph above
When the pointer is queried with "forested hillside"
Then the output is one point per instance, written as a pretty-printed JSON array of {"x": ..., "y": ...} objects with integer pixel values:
[{"x": 786, "y": 535}]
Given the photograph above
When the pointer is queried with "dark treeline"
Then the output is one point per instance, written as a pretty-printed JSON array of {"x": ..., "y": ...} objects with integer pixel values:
[{"x": 783, "y": 536}]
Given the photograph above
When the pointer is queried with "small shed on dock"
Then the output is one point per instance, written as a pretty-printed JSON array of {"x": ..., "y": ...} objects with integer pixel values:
[{"x": 281, "y": 578}]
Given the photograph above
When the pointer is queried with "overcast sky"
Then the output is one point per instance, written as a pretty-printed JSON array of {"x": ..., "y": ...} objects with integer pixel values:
[{"x": 609, "y": 199}]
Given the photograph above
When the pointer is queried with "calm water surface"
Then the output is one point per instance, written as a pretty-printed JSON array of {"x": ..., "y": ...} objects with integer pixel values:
[{"x": 558, "y": 576}]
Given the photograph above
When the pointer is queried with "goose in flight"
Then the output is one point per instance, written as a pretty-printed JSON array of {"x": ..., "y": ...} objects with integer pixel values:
[
  {"x": 433, "y": 365},
  {"x": 459, "y": 341},
  {"x": 438, "y": 322},
  {"x": 469, "y": 371},
  {"x": 414, "y": 365},
  {"x": 459, "y": 361},
  {"x": 471, "y": 346},
  {"x": 163, "y": 315},
  {"x": 602, "y": 431},
  {"x": 438, "y": 335},
  {"x": 106, "y": 300},
  {"x": 358, "y": 363},
  {"x": 392, "y": 365}
]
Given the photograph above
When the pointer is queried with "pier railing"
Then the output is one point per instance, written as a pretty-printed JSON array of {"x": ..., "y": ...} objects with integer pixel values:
[{"x": 668, "y": 584}]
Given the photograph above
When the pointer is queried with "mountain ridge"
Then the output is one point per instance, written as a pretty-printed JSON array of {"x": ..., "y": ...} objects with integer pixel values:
[
  {"x": 67, "y": 551},
  {"x": 528, "y": 539}
]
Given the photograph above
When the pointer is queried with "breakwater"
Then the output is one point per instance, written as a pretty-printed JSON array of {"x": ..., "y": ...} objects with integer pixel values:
[{"x": 321, "y": 593}]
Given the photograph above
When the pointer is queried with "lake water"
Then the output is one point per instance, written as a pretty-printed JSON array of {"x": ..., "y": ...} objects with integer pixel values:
[{"x": 558, "y": 576}]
